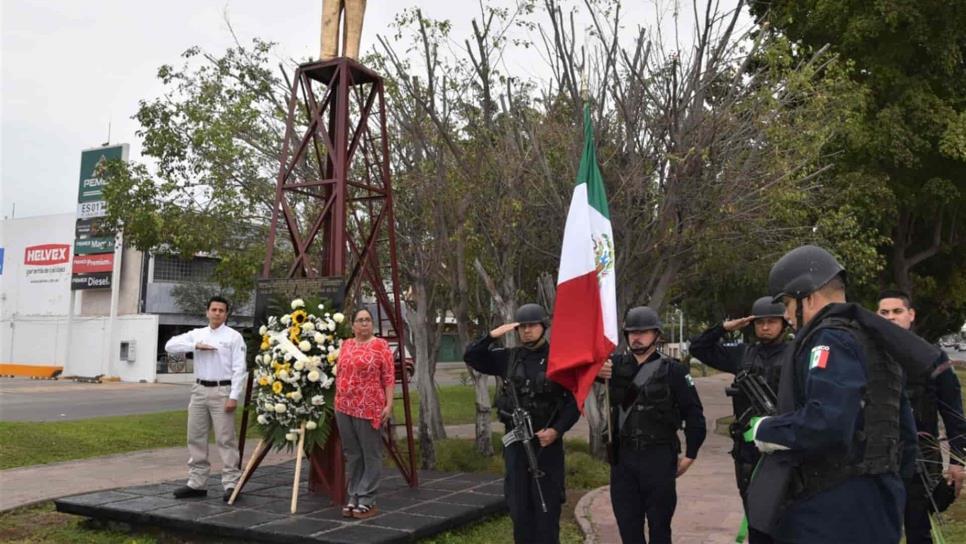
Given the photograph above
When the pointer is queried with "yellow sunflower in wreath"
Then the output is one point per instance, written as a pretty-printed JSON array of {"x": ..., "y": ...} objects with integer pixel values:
[
  {"x": 276, "y": 387},
  {"x": 299, "y": 316}
]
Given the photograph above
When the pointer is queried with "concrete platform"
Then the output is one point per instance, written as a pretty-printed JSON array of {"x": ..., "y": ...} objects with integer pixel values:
[{"x": 261, "y": 513}]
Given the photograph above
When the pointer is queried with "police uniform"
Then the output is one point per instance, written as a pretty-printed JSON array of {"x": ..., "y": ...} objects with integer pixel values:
[
  {"x": 845, "y": 432},
  {"x": 648, "y": 403},
  {"x": 832, "y": 473},
  {"x": 760, "y": 358},
  {"x": 937, "y": 394},
  {"x": 550, "y": 406}
]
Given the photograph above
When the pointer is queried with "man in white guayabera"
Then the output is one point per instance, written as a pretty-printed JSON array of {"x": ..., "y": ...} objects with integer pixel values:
[{"x": 219, "y": 357}]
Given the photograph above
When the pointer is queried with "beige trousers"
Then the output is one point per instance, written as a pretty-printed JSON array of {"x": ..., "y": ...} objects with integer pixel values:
[{"x": 206, "y": 410}]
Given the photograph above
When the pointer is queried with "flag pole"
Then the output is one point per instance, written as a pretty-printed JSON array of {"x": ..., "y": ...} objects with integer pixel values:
[{"x": 585, "y": 98}]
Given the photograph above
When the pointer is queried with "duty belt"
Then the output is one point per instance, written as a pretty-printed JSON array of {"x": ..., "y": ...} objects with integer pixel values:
[
  {"x": 638, "y": 443},
  {"x": 208, "y": 383}
]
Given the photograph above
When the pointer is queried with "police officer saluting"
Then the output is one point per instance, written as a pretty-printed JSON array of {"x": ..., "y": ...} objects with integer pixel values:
[
  {"x": 650, "y": 396},
  {"x": 552, "y": 410},
  {"x": 832, "y": 473},
  {"x": 937, "y": 393},
  {"x": 763, "y": 359}
]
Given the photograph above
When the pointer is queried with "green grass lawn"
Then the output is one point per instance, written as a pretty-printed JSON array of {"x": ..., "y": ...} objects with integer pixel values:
[
  {"x": 32, "y": 443},
  {"x": 457, "y": 402}
]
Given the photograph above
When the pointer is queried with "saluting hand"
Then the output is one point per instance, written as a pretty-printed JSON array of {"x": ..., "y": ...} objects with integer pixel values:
[
  {"x": 735, "y": 324},
  {"x": 503, "y": 329},
  {"x": 606, "y": 370}
]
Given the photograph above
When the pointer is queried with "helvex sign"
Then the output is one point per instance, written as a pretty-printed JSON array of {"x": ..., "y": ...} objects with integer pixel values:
[{"x": 46, "y": 254}]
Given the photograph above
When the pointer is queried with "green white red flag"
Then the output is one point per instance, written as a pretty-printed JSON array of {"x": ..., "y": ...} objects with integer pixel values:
[{"x": 585, "y": 311}]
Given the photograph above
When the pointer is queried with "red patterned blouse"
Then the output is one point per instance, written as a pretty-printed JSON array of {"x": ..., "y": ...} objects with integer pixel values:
[{"x": 365, "y": 371}]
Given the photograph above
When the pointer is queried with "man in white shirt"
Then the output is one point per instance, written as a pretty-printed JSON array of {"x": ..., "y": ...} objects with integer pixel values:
[{"x": 220, "y": 372}]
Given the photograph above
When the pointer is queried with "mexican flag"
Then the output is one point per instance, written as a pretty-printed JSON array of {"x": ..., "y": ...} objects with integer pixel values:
[{"x": 585, "y": 313}]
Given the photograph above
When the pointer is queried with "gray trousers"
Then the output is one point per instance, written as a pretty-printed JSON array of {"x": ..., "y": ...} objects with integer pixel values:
[
  {"x": 362, "y": 447},
  {"x": 206, "y": 410}
]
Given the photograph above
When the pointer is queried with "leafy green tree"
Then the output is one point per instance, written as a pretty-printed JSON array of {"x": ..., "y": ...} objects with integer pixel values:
[
  {"x": 903, "y": 156},
  {"x": 211, "y": 145}
]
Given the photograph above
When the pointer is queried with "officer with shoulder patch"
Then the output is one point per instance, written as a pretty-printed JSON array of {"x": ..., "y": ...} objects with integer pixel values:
[
  {"x": 930, "y": 396},
  {"x": 832, "y": 473},
  {"x": 552, "y": 410},
  {"x": 763, "y": 358},
  {"x": 650, "y": 395}
]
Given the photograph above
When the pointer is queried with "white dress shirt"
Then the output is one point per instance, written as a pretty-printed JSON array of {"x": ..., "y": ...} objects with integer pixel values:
[{"x": 226, "y": 362}]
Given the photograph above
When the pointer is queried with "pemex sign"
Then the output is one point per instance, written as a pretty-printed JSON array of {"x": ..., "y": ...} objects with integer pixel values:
[{"x": 93, "y": 246}]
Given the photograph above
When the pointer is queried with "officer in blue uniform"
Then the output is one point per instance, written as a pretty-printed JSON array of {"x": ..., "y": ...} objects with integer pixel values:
[
  {"x": 832, "y": 473},
  {"x": 552, "y": 410},
  {"x": 651, "y": 395},
  {"x": 763, "y": 358},
  {"x": 933, "y": 395}
]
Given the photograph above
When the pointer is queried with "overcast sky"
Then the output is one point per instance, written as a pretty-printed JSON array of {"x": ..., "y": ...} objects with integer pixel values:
[{"x": 70, "y": 67}]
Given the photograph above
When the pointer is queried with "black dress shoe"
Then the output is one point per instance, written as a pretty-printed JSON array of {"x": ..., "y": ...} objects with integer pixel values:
[
  {"x": 228, "y": 493},
  {"x": 185, "y": 491}
]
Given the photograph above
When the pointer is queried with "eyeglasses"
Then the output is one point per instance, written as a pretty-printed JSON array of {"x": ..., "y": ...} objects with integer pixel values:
[{"x": 363, "y": 320}]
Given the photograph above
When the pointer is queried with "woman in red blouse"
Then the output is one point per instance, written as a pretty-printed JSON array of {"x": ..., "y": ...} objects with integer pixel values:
[{"x": 364, "y": 386}]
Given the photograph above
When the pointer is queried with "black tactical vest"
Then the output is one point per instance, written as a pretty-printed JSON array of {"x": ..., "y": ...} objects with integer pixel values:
[
  {"x": 540, "y": 397},
  {"x": 875, "y": 447},
  {"x": 653, "y": 417},
  {"x": 765, "y": 363}
]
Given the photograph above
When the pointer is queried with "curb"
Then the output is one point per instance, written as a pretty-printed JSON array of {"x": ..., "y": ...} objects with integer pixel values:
[{"x": 583, "y": 514}]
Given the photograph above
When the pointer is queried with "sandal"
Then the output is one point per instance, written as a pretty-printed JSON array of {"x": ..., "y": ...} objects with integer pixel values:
[
  {"x": 348, "y": 510},
  {"x": 364, "y": 511}
]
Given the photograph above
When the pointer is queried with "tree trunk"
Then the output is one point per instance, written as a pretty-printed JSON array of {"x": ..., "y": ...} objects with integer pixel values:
[
  {"x": 428, "y": 398},
  {"x": 595, "y": 411},
  {"x": 659, "y": 296},
  {"x": 481, "y": 391}
]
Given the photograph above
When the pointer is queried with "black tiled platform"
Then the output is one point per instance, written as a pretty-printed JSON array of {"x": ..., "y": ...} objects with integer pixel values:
[{"x": 444, "y": 501}]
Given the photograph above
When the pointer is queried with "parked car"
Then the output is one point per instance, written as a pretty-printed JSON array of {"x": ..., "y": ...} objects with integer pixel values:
[{"x": 961, "y": 346}]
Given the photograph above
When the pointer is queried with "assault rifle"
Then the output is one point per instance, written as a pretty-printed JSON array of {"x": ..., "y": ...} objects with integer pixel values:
[
  {"x": 523, "y": 432},
  {"x": 755, "y": 388}
]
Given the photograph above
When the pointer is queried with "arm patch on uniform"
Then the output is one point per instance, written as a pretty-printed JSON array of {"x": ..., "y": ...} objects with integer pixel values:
[
  {"x": 687, "y": 378},
  {"x": 819, "y": 357}
]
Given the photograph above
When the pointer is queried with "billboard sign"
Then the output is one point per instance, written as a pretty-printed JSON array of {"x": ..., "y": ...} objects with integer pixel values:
[{"x": 94, "y": 245}]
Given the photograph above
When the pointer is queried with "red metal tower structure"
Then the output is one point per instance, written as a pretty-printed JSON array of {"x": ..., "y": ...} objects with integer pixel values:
[{"x": 334, "y": 195}]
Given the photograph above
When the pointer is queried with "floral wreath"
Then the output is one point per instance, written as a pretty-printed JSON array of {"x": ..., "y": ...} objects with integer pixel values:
[{"x": 294, "y": 375}]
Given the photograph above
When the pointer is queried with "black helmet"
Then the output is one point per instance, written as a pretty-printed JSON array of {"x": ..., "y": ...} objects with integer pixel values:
[
  {"x": 765, "y": 307},
  {"x": 531, "y": 313},
  {"x": 641, "y": 318},
  {"x": 801, "y": 272}
]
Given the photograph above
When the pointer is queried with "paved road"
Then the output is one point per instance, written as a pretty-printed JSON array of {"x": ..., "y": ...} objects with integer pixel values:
[
  {"x": 52, "y": 400},
  {"x": 22, "y": 399}
]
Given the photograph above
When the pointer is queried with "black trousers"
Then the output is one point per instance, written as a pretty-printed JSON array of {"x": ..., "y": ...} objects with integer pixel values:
[
  {"x": 530, "y": 523},
  {"x": 917, "y": 524},
  {"x": 743, "y": 472},
  {"x": 642, "y": 485}
]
